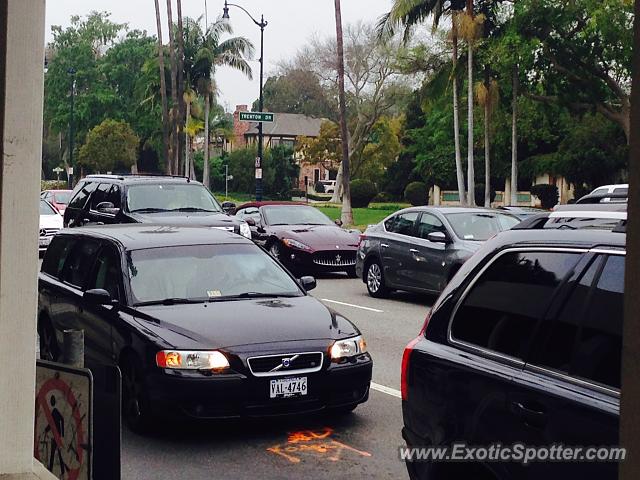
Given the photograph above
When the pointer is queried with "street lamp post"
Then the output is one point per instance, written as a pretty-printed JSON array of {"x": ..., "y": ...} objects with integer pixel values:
[
  {"x": 262, "y": 24},
  {"x": 71, "y": 72}
]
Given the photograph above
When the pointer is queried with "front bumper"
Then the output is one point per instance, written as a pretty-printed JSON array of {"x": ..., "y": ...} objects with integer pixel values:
[
  {"x": 244, "y": 395},
  {"x": 319, "y": 261}
]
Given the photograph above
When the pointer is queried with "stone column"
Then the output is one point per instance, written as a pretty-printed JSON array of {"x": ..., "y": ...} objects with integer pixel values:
[{"x": 21, "y": 94}]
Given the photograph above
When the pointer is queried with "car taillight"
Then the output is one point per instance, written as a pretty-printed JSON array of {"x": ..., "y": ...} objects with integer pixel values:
[{"x": 406, "y": 356}]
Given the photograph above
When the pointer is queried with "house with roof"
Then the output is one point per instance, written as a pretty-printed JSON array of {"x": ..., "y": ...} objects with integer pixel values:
[{"x": 286, "y": 129}]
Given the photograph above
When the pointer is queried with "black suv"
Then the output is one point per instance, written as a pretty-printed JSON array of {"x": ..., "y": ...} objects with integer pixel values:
[
  {"x": 523, "y": 345},
  {"x": 108, "y": 199}
]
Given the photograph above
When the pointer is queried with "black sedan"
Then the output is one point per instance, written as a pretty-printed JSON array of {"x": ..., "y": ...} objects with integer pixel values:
[
  {"x": 302, "y": 237},
  {"x": 202, "y": 323}
]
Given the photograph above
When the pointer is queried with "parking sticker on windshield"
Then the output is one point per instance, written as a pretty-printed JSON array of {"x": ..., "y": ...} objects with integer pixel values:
[{"x": 214, "y": 293}]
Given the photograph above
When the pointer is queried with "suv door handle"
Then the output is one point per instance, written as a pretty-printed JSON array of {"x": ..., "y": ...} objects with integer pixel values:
[
  {"x": 413, "y": 250},
  {"x": 532, "y": 417},
  {"x": 384, "y": 245}
]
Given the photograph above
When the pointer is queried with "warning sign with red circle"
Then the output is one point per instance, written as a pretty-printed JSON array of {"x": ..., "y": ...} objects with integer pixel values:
[{"x": 63, "y": 420}]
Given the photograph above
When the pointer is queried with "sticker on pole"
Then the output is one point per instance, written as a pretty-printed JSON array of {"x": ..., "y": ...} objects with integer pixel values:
[{"x": 63, "y": 420}]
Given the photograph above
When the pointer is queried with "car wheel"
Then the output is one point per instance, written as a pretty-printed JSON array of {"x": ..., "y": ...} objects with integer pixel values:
[
  {"x": 374, "y": 277},
  {"x": 275, "y": 250},
  {"x": 135, "y": 405},
  {"x": 351, "y": 272},
  {"x": 48, "y": 343}
]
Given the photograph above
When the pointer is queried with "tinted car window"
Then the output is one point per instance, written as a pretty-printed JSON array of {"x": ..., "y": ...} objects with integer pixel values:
[
  {"x": 428, "y": 224},
  {"x": 556, "y": 337},
  {"x": 506, "y": 302},
  {"x": 57, "y": 254},
  {"x": 80, "y": 199},
  {"x": 79, "y": 262},
  {"x": 100, "y": 195},
  {"x": 402, "y": 223},
  {"x": 599, "y": 348},
  {"x": 114, "y": 196},
  {"x": 171, "y": 197},
  {"x": 107, "y": 274}
]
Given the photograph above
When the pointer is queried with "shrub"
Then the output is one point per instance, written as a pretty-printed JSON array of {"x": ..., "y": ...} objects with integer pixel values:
[
  {"x": 53, "y": 185},
  {"x": 296, "y": 192},
  {"x": 417, "y": 194},
  {"x": 362, "y": 192},
  {"x": 319, "y": 187},
  {"x": 384, "y": 197},
  {"x": 480, "y": 195},
  {"x": 548, "y": 195}
]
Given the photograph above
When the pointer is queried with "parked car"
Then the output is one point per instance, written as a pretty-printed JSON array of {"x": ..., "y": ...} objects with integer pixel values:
[
  {"x": 329, "y": 185},
  {"x": 108, "y": 199},
  {"x": 301, "y": 237},
  {"x": 419, "y": 249},
  {"x": 58, "y": 198},
  {"x": 50, "y": 224},
  {"x": 603, "y": 216},
  {"x": 202, "y": 323},
  {"x": 621, "y": 189},
  {"x": 523, "y": 345}
]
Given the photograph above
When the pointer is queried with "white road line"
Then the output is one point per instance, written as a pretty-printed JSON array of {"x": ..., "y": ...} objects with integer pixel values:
[
  {"x": 352, "y": 305},
  {"x": 389, "y": 391}
]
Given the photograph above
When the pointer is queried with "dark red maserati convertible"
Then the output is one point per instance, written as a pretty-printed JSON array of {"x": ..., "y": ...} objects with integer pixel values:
[{"x": 301, "y": 237}]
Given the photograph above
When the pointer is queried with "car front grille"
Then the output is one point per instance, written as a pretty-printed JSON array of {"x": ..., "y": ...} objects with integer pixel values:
[
  {"x": 338, "y": 258},
  {"x": 285, "y": 364},
  {"x": 48, "y": 232}
]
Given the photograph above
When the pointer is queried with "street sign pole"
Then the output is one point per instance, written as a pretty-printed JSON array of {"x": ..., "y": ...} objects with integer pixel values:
[{"x": 260, "y": 131}]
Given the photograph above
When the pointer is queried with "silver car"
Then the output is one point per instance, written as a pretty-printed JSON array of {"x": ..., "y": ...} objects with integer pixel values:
[{"x": 419, "y": 249}]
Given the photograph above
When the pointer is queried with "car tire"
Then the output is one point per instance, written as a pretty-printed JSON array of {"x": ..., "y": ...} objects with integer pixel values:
[
  {"x": 135, "y": 402},
  {"x": 374, "y": 278},
  {"x": 49, "y": 349},
  {"x": 275, "y": 250},
  {"x": 351, "y": 272}
]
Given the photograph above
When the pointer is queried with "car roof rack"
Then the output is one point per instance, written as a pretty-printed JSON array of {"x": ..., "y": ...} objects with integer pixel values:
[
  {"x": 553, "y": 220},
  {"x": 123, "y": 176}
]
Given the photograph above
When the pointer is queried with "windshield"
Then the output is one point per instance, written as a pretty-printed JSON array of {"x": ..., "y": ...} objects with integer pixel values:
[
  {"x": 480, "y": 226},
  {"x": 62, "y": 197},
  {"x": 46, "y": 209},
  {"x": 295, "y": 215},
  {"x": 206, "y": 272},
  {"x": 168, "y": 197}
]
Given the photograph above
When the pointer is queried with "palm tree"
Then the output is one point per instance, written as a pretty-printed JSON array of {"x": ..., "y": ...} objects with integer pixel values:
[
  {"x": 174, "y": 92},
  {"x": 407, "y": 14},
  {"x": 514, "y": 138},
  {"x": 190, "y": 129},
  {"x": 204, "y": 51},
  {"x": 163, "y": 94},
  {"x": 487, "y": 97},
  {"x": 347, "y": 214},
  {"x": 182, "y": 118}
]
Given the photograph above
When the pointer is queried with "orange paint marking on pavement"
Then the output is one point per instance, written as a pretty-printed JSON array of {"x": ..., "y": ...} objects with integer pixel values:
[{"x": 318, "y": 444}]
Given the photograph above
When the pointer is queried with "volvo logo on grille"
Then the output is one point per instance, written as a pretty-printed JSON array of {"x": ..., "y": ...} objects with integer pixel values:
[
  {"x": 338, "y": 258},
  {"x": 284, "y": 363}
]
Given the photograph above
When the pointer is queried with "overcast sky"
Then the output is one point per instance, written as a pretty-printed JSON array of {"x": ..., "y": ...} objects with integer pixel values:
[{"x": 291, "y": 23}]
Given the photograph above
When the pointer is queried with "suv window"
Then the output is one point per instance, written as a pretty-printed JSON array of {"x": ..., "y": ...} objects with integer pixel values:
[
  {"x": 79, "y": 200},
  {"x": 100, "y": 195},
  {"x": 428, "y": 224},
  {"x": 402, "y": 223},
  {"x": 501, "y": 310},
  {"x": 556, "y": 337},
  {"x": 107, "y": 273},
  {"x": 599, "y": 348},
  {"x": 79, "y": 262},
  {"x": 114, "y": 196},
  {"x": 56, "y": 255}
]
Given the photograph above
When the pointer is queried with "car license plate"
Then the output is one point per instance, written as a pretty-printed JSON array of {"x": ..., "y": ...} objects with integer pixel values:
[
  {"x": 45, "y": 241},
  {"x": 288, "y": 387}
]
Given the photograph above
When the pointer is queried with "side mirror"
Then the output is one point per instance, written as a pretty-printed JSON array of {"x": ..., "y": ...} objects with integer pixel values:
[
  {"x": 438, "y": 237},
  {"x": 250, "y": 221},
  {"x": 107, "y": 207},
  {"x": 338, "y": 222},
  {"x": 98, "y": 296},
  {"x": 308, "y": 283}
]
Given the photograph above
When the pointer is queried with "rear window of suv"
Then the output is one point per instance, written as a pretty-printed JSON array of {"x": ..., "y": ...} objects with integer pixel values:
[{"x": 502, "y": 309}]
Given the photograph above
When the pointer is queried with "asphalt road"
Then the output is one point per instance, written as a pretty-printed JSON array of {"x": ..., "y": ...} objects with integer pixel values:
[{"x": 359, "y": 445}]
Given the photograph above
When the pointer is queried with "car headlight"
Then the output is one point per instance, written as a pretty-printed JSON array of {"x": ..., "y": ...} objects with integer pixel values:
[
  {"x": 296, "y": 244},
  {"x": 348, "y": 348},
  {"x": 191, "y": 360},
  {"x": 245, "y": 230}
]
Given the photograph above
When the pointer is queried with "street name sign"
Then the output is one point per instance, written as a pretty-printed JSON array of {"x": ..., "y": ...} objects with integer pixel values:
[{"x": 256, "y": 117}]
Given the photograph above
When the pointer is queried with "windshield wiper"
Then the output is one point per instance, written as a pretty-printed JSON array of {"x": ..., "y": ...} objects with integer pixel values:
[
  {"x": 193, "y": 209},
  {"x": 149, "y": 210},
  {"x": 252, "y": 295},
  {"x": 169, "y": 301}
]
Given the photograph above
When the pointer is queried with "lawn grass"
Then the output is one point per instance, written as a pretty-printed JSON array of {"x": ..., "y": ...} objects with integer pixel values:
[{"x": 362, "y": 217}]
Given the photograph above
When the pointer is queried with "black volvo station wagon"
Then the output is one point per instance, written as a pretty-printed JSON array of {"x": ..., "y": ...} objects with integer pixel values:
[{"x": 202, "y": 322}]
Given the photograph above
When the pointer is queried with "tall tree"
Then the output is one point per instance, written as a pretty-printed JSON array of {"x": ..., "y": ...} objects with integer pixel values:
[
  {"x": 182, "y": 117},
  {"x": 408, "y": 14},
  {"x": 205, "y": 50},
  {"x": 514, "y": 137},
  {"x": 347, "y": 214},
  {"x": 174, "y": 93},
  {"x": 163, "y": 94},
  {"x": 487, "y": 98}
]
